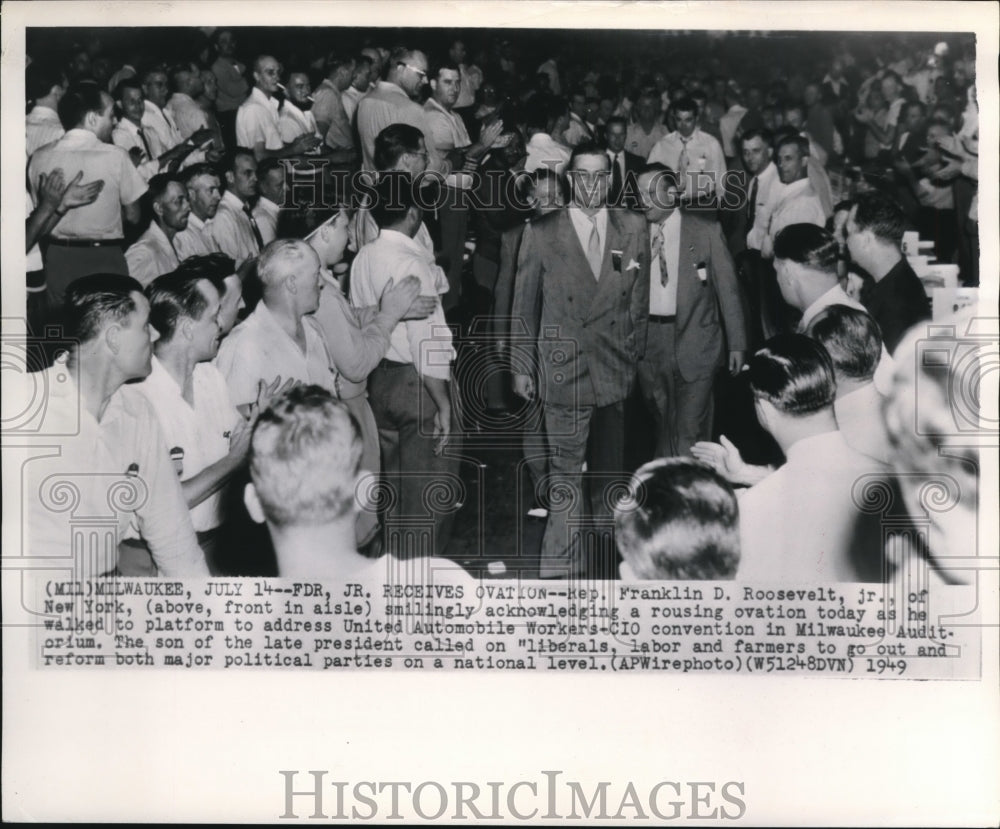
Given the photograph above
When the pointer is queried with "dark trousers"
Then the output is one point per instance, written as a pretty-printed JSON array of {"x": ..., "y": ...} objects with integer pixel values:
[
  {"x": 595, "y": 434},
  {"x": 227, "y": 124},
  {"x": 454, "y": 219},
  {"x": 422, "y": 490}
]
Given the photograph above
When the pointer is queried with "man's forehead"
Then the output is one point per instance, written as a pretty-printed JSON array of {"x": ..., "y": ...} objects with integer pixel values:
[
  {"x": 205, "y": 180},
  {"x": 591, "y": 161}
]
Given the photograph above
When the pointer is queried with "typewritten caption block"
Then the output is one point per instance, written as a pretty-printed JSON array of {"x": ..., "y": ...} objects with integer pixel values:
[{"x": 676, "y": 627}]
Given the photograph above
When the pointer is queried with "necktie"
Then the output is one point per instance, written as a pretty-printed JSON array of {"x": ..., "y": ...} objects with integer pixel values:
[
  {"x": 682, "y": 164},
  {"x": 659, "y": 253},
  {"x": 752, "y": 203},
  {"x": 253, "y": 226},
  {"x": 616, "y": 178},
  {"x": 594, "y": 248},
  {"x": 145, "y": 142}
]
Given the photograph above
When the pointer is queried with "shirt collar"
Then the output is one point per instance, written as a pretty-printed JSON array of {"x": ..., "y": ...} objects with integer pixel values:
[
  {"x": 835, "y": 296},
  {"x": 260, "y": 97},
  {"x": 234, "y": 201},
  {"x": 267, "y": 205},
  {"x": 394, "y": 237},
  {"x": 180, "y": 97},
  {"x": 81, "y": 136},
  {"x": 45, "y": 112},
  {"x": 796, "y": 188},
  {"x": 816, "y": 446}
]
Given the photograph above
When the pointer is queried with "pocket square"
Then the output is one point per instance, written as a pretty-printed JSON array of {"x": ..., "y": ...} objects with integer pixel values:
[{"x": 632, "y": 265}]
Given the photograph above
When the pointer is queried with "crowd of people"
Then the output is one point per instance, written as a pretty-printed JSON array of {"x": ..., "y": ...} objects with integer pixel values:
[{"x": 263, "y": 265}]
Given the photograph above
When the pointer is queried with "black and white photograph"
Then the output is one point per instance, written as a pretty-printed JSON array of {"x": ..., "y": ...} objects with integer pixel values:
[{"x": 387, "y": 377}]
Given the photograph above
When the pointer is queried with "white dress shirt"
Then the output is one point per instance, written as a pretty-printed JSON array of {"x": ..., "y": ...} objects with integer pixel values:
[
  {"x": 99, "y": 466},
  {"x": 257, "y": 122},
  {"x": 187, "y": 115},
  {"x": 260, "y": 349},
  {"x": 126, "y": 135},
  {"x": 796, "y": 203},
  {"x": 151, "y": 255},
  {"x": 350, "y": 99},
  {"x": 663, "y": 298},
  {"x": 42, "y": 127},
  {"x": 706, "y": 161},
  {"x": 859, "y": 416},
  {"x": 266, "y": 213},
  {"x": 80, "y": 150},
  {"x": 293, "y": 122},
  {"x": 328, "y": 107},
  {"x": 195, "y": 240},
  {"x": 800, "y": 524},
  {"x": 584, "y": 224},
  {"x": 201, "y": 431},
  {"x": 640, "y": 142},
  {"x": 231, "y": 231},
  {"x": 769, "y": 187},
  {"x": 426, "y": 343}
]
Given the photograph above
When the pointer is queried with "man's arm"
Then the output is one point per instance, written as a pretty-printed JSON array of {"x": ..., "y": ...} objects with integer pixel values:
[
  {"x": 212, "y": 478},
  {"x": 527, "y": 307},
  {"x": 728, "y": 291}
]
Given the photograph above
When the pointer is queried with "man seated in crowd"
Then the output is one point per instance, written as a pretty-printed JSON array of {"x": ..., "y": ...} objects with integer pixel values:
[
  {"x": 234, "y": 228},
  {"x": 113, "y": 462},
  {"x": 206, "y": 436},
  {"x": 204, "y": 195},
  {"x": 329, "y": 109},
  {"x": 296, "y": 118},
  {"x": 154, "y": 253},
  {"x": 679, "y": 521},
  {"x": 271, "y": 199},
  {"x": 801, "y": 524},
  {"x": 305, "y": 474}
]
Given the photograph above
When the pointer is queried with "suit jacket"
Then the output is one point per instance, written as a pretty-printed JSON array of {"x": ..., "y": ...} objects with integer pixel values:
[
  {"x": 584, "y": 335},
  {"x": 503, "y": 291},
  {"x": 710, "y": 318}
]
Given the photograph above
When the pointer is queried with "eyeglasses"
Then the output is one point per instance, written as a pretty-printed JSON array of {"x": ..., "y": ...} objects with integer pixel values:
[{"x": 416, "y": 69}]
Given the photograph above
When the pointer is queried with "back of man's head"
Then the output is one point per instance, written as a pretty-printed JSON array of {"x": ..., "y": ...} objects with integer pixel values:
[
  {"x": 808, "y": 245},
  {"x": 39, "y": 79},
  {"x": 173, "y": 297},
  {"x": 305, "y": 454},
  {"x": 394, "y": 199},
  {"x": 678, "y": 521},
  {"x": 852, "y": 339},
  {"x": 98, "y": 300},
  {"x": 794, "y": 374},
  {"x": 279, "y": 260},
  {"x": 880, "y": 214},
  {"x": 80, "y": 99},
  {"x": 395, "y": 141}
]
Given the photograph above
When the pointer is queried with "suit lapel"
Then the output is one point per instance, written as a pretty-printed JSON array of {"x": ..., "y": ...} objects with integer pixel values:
[
  {"x": 610, "y": 281},
  {"x": 571, "y": 252}
]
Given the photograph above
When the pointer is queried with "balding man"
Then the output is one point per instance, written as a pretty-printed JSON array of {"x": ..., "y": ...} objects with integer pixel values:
[
  {"x": 204, "y": 195},
  {"x": 394, "y": 101},
  {"x": 258, "y": 121},
  {"x": 187, "y": 86},
  {"x": 280, "y": 341}
]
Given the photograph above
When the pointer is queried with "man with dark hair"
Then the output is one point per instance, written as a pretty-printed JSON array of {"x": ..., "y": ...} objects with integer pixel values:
[
  {"x": 154, "y": 253},
  {"x": 896, "y": 299},
  {"x": 800, "y": 524},
  {"x": 852, "y": 339},
  {"x": 358, "y": 88},
  {"x": 696, "y": 322},
  {"x": 297, "y": 116},
  {"x": 206, "y": 436},
  {"x": 204, "y": 195},
  {"x": 159, "y": 126},
  {"x": 410, "y": 389},
  {"x": 271, "y": 187},
  {"x": 44, "y": 85},
  {"x": 679, "y": 520},
  {"x": 113, "y": 457},
  {"x": 797, "y": 202},
  {"x": 187, "y": 86},
  {"x": 220, "y": 270},
  {"x": 648, "y": 128},
  {"x": 394, "y": 101},
  {"x": 328, "y": 110},
  {"x": 625, "y": 166},
  {"x": 582, "y": 293},
  {"x": 88, "y": 239},
  {"x": 577, "y": 130},
  {"x": 694, "y": 155},
  {"x": 232, "y": 85},
  {"x": 234, "y": 227}
]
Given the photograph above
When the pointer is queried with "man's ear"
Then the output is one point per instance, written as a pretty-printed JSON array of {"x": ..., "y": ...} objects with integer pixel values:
[
  {"x": 158, "y": 210},
  {"x": 252, "y": 502},
  {"x": 230, "y": 180},
  {"x": 184, "y": 329},
  {"x": 112, "y": 336}
]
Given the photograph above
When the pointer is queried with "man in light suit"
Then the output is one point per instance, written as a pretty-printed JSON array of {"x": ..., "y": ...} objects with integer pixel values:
[
  {"x": 582, "y": 291},
  {"x": 696, "y": 322}
]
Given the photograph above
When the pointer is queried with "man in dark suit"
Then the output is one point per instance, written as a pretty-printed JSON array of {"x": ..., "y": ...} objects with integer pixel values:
[
  {"x": 696, "y": 322},
  {"x": 582, "y": 292},
  {"x": 625, "y": 166}
]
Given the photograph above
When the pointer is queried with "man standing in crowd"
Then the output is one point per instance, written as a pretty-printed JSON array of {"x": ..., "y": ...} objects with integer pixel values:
[
  {"x": 154, "y": 253},
  {"x": 577, "y": 131},
  {"x": 204, "y": 195},
  {"x": 145, "y": 150},
  {"x": 187, "y": 86},
  {"x": 160, "y": 129},
  {"x": 544, "y": 118},
  {"x": 206, "y": 436},
  {"x": 625, "y": 166},
  {"x": 257, "y": 120},
  {"x": 271, "y": 186},
  {"x": 410, "y": 390},
  {"x": 234, "y": 228},
  {"x": 582, "y": 292},
  {"x": 44, "y": 84},
  {"x": 696, "y": 323},
  {"x": 233, "y": 88},
  {"x": 694, "y": 155},
  {"x": 797, "y": 201},
  {"x": 647, "y": 129},
  {"x": 114, "y": 456},
  {"x": 88, "y": 239},
  {"x": 332, "y": 121},
  {"x": 896, "y": 299},
  {"x": 360, "y": 84},
  {"x": 297, "y": 116}
]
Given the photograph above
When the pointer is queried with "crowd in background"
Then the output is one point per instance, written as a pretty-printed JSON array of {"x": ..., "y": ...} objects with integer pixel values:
[{"x": 748, "y": 195}]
